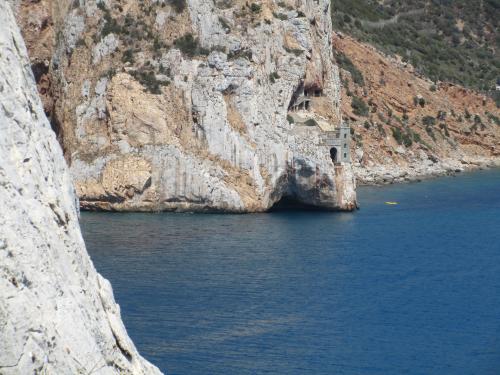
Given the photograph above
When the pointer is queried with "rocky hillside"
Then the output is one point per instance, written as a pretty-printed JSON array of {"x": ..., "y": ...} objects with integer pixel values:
[
  {"x": 184, "y": 104},
  {"x": 407, "y": 127},
  {"x": 454, "y": 40},
  {"x": 57, "y": 314}
]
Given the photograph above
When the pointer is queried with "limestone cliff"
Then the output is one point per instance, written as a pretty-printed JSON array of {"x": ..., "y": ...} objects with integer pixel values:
[
  {"x": 184, "y": 105},
  {"x": 57, "y": 314},
  {"x": 407, "y": 127}
]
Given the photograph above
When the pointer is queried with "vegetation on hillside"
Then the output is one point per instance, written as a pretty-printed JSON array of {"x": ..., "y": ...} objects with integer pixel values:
[{"x": 446, "y": 40}]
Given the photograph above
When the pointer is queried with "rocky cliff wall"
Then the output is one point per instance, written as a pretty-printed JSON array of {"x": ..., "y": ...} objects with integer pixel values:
[
  {"x": 182, "y": 105},
  {"x": 57, "y": 314}
]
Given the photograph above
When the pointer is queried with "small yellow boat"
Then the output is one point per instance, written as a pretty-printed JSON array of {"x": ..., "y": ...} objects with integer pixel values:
[{"x": 392, "y": 203}]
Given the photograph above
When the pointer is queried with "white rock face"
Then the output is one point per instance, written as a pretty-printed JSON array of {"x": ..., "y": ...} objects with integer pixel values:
[
  {"x": 217, "y": 137},
  {"x": 57, "y": 314}
]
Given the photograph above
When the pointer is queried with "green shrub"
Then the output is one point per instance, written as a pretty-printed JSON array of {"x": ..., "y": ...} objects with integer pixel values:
[
  {"x": 284, "y": 5},
  {"x": 359, "y": 106},
  {"x": 158, "y": 45},
  {"x": 397, "y": 135},
  {"x": 223, "y": 4},
  {"x": 416, "y": 137},
  {"x": 496, "y": 97},
  {"x": 148, "y": 79},
  {"x": 345, "y": 63},
  {"x": 445, "y": 128},
  {"x": 290, "y": 119},
  {"x": 381, "y": 130},
  {"x": 164, "y": 70},
  {"x": 429, "y": 121},
  {"x": 493, "y": 118},
  {"x": 111, "y": 73},
  {"x": 273, "y": 77},
  {"x": 110, "y": 25},
  {"x": 178, "y": 5},
  {"x": 81, "y": 43},
  {"x": 190, "y": 46},
  {"x": 405, "y": 137},
  {"x": 255, "y": 8},
  {"x": 280, "y": 16},
  {"x": 245, "y": 53},
  {"x": 429, "y": 39},
  {"x": 441, "y": 115},
  {"x": 187, "y": 44},
  {"x": 296, "y": 51},
  {"x": 128, "y": 56},
  {"x": 429, "y": 131},
  {"x": 101, "y": 6},
  {"x": 407, "y": 140},
  {"x": 222, "y": 49}
]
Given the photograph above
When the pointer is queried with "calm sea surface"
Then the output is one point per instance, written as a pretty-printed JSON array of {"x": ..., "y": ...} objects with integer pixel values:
[{"x": 389, "y": 290}]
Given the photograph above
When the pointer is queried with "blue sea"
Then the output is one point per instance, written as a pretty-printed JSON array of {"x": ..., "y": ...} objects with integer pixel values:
[{"x": 412, "y": 288}]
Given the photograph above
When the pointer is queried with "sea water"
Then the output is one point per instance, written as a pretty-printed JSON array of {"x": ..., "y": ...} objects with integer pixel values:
[{"x": 412, "y": 288}]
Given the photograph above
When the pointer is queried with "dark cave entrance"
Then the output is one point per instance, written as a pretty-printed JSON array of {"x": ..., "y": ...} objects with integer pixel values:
[
  {"x": 39, "y": 71},
  {"x": 288, "y": 203},
  {"x": 333, "y": 154}
]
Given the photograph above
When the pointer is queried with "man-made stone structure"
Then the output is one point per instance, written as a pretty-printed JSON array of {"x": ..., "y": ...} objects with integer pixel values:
[
  {"x": 303, "y": 112},
  {"x": 185, "y": 108},
  {"x": 57, "y": 314},
  {"x": 339, "y": 141}
]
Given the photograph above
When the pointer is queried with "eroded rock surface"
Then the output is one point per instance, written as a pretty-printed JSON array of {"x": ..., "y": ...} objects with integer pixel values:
[
  {"x": 194, "y": 98},
  {"x": 57, "y": 314}
]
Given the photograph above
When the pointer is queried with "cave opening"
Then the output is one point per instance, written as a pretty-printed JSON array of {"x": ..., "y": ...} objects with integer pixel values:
[
  {"x": 333, "y": 154},
  {"x": 289, "y": 203},
  {"x": 39, "y": 70}
]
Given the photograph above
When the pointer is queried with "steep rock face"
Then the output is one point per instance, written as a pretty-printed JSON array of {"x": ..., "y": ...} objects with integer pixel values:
[
  {"x": 184, "y": 107},
  {"x": 57, "y": 314}
]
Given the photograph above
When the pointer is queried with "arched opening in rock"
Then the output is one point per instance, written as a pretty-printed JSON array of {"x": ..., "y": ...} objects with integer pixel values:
[
  {"x": 333, "y": 154},
  {"x": 288, "y": 203},
  {"x": 303, "y": 96}
]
